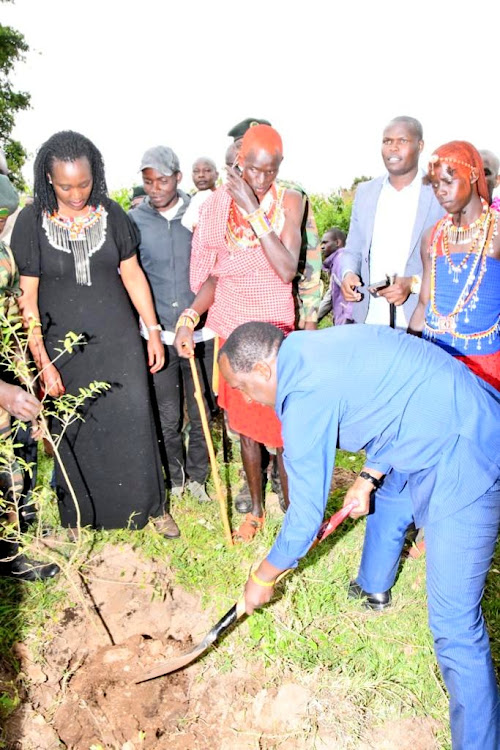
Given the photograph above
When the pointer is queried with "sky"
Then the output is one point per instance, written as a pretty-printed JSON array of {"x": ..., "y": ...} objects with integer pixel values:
[{"x": 327, "y": 75}]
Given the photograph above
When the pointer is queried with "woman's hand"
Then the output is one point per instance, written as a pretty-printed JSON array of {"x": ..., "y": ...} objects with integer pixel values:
[
  {"x": 156, "y": 352},
  {"x": 51, "y": 381},
  {"x": 184, "y": 342},
  {"x": 37, "y": 430}
]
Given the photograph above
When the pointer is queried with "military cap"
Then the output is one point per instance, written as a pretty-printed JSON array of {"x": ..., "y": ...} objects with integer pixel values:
[
  {"x": 241, "y": 128},
  {"x": 137, "y": 191}
]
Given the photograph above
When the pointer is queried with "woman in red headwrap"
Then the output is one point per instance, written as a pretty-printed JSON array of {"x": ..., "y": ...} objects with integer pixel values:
[
  {"x": 459, "y": 304},
  {"x": 244, "y": 257}
]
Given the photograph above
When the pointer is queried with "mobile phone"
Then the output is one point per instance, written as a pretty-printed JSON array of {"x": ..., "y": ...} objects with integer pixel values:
[{"x": 378, "y": 285}]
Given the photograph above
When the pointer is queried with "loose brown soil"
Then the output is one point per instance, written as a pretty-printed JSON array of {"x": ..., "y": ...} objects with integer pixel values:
[{"x": 80, "y": 692}]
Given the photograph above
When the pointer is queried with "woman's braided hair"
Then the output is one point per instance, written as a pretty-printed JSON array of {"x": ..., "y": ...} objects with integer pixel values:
[{"x": 67, "y": 146}]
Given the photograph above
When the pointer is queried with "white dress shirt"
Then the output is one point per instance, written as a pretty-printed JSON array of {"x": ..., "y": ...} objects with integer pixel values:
[{"x": 390, "y": 246}]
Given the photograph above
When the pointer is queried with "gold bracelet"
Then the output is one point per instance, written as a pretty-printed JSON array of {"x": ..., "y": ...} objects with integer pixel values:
[
  {"x": 184, "y": 320},
  {"x": 255, "y": 578}
]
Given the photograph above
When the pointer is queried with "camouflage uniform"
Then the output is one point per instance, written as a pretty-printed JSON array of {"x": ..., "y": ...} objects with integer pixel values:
[
  {"x": 307, "y": 285},
  {"x": 11, "y": 477}
]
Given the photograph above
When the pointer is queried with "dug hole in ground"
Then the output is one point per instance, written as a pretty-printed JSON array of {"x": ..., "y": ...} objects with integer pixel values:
[{"x": 78, "y": 691}]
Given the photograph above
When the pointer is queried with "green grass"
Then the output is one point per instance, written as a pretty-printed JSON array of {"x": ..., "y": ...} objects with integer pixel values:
[{"x": 379, "y": 665}]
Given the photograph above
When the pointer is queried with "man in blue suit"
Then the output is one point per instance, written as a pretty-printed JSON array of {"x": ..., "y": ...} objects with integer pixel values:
[
  {"x": 415, "y": 411},
  {"x": 389, "y": 216}
]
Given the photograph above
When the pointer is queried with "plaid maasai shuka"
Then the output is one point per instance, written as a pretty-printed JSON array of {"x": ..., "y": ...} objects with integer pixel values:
[{"x": 248, "y": 288}]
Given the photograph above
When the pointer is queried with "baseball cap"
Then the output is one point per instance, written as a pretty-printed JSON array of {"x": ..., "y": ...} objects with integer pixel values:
[{"x": 161, "y": 158}]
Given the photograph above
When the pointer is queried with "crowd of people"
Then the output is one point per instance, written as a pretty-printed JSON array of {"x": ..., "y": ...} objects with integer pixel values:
[{"x": 226, "y": 276}]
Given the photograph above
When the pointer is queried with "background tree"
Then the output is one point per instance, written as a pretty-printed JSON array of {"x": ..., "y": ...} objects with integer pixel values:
[
  {"x": 121, "y": 196},
  {"x": 357, "y": 180},
  {"x": 331, "y": 211},
  {"x": 12, "y": 50}
]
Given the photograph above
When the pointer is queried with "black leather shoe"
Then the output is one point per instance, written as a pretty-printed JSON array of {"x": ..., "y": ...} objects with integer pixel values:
[
  {"x": 25, "y": 569},
  {"x": 373, "y": 601}
]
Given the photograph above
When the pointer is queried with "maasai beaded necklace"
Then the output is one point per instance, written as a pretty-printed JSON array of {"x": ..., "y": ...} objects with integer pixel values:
[
  {"x": 468, "y": 297},
  {"x": 452, "y": 268},
  {"x": 239, "y": 233},
  {"x": 446, "y": 232},
  {"x": 81, "y": 236},
  {"x": 461, "y": 235}
]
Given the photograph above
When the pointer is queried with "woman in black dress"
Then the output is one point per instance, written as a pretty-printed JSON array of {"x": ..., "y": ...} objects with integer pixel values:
[{"x": 76, "y": 252}]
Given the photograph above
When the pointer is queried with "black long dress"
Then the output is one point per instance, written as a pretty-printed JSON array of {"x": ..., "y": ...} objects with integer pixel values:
[{"x": 112, "y": 457}]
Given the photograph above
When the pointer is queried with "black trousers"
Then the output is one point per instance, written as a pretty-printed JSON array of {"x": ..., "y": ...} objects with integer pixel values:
[{"x": 174, "y": 389}]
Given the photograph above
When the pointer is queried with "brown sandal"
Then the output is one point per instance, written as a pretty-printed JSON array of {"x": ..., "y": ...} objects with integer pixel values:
[{"x": 249, "y": 528}]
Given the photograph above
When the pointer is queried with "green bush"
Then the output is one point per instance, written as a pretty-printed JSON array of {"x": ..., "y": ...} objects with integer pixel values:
[
  {"x": 331, "y": 211},
  {"x": 122, "y": 197}
]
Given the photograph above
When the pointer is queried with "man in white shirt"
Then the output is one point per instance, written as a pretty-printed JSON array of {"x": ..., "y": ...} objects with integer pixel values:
[
  {"x": 390, "y": 214},
  {"x": 389, "y": 217}
]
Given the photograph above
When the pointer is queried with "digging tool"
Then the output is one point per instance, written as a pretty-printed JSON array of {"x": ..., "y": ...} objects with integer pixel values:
[
  {"x": 236, "y": 611},
  {"x": 211, "y": 453}
]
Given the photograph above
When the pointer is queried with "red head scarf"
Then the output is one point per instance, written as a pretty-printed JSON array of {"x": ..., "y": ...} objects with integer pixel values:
[
  {"x": 260, "y": 137},
  {"x": 465, "y": 155}
]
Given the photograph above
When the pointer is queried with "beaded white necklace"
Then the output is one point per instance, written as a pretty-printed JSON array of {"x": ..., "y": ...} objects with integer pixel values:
[{"x": 81, "y": 236}]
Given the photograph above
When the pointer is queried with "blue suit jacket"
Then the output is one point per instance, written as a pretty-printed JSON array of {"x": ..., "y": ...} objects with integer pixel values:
[
  {"x": 411, "y": 406},
  {"x": 357, "y": 251}
]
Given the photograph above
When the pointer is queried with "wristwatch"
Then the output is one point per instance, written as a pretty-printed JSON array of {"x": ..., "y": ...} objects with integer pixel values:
[
  {"x": 369, "y": 478},
  {"x": 416, "y": 284},
  {"x": 157, "y": 327}
]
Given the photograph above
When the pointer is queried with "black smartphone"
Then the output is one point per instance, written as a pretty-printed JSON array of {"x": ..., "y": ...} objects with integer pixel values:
[{"x": 378, "y": 285}]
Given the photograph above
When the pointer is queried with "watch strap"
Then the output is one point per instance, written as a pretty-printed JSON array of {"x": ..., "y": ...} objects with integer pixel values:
[{"x": 369, "y": 478}]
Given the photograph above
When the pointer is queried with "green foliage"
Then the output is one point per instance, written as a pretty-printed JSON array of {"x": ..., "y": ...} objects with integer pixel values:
[
  {"x": 16, "y": 156},
  {"x": 12, "y": 49},
  {"x": 66, "y": 409},
  {"x": 331, "y": 211},
  {"x": 9, "y": 702},
  {"x": 357, "y": 181},
  {"x": 122, "y": 197}
]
